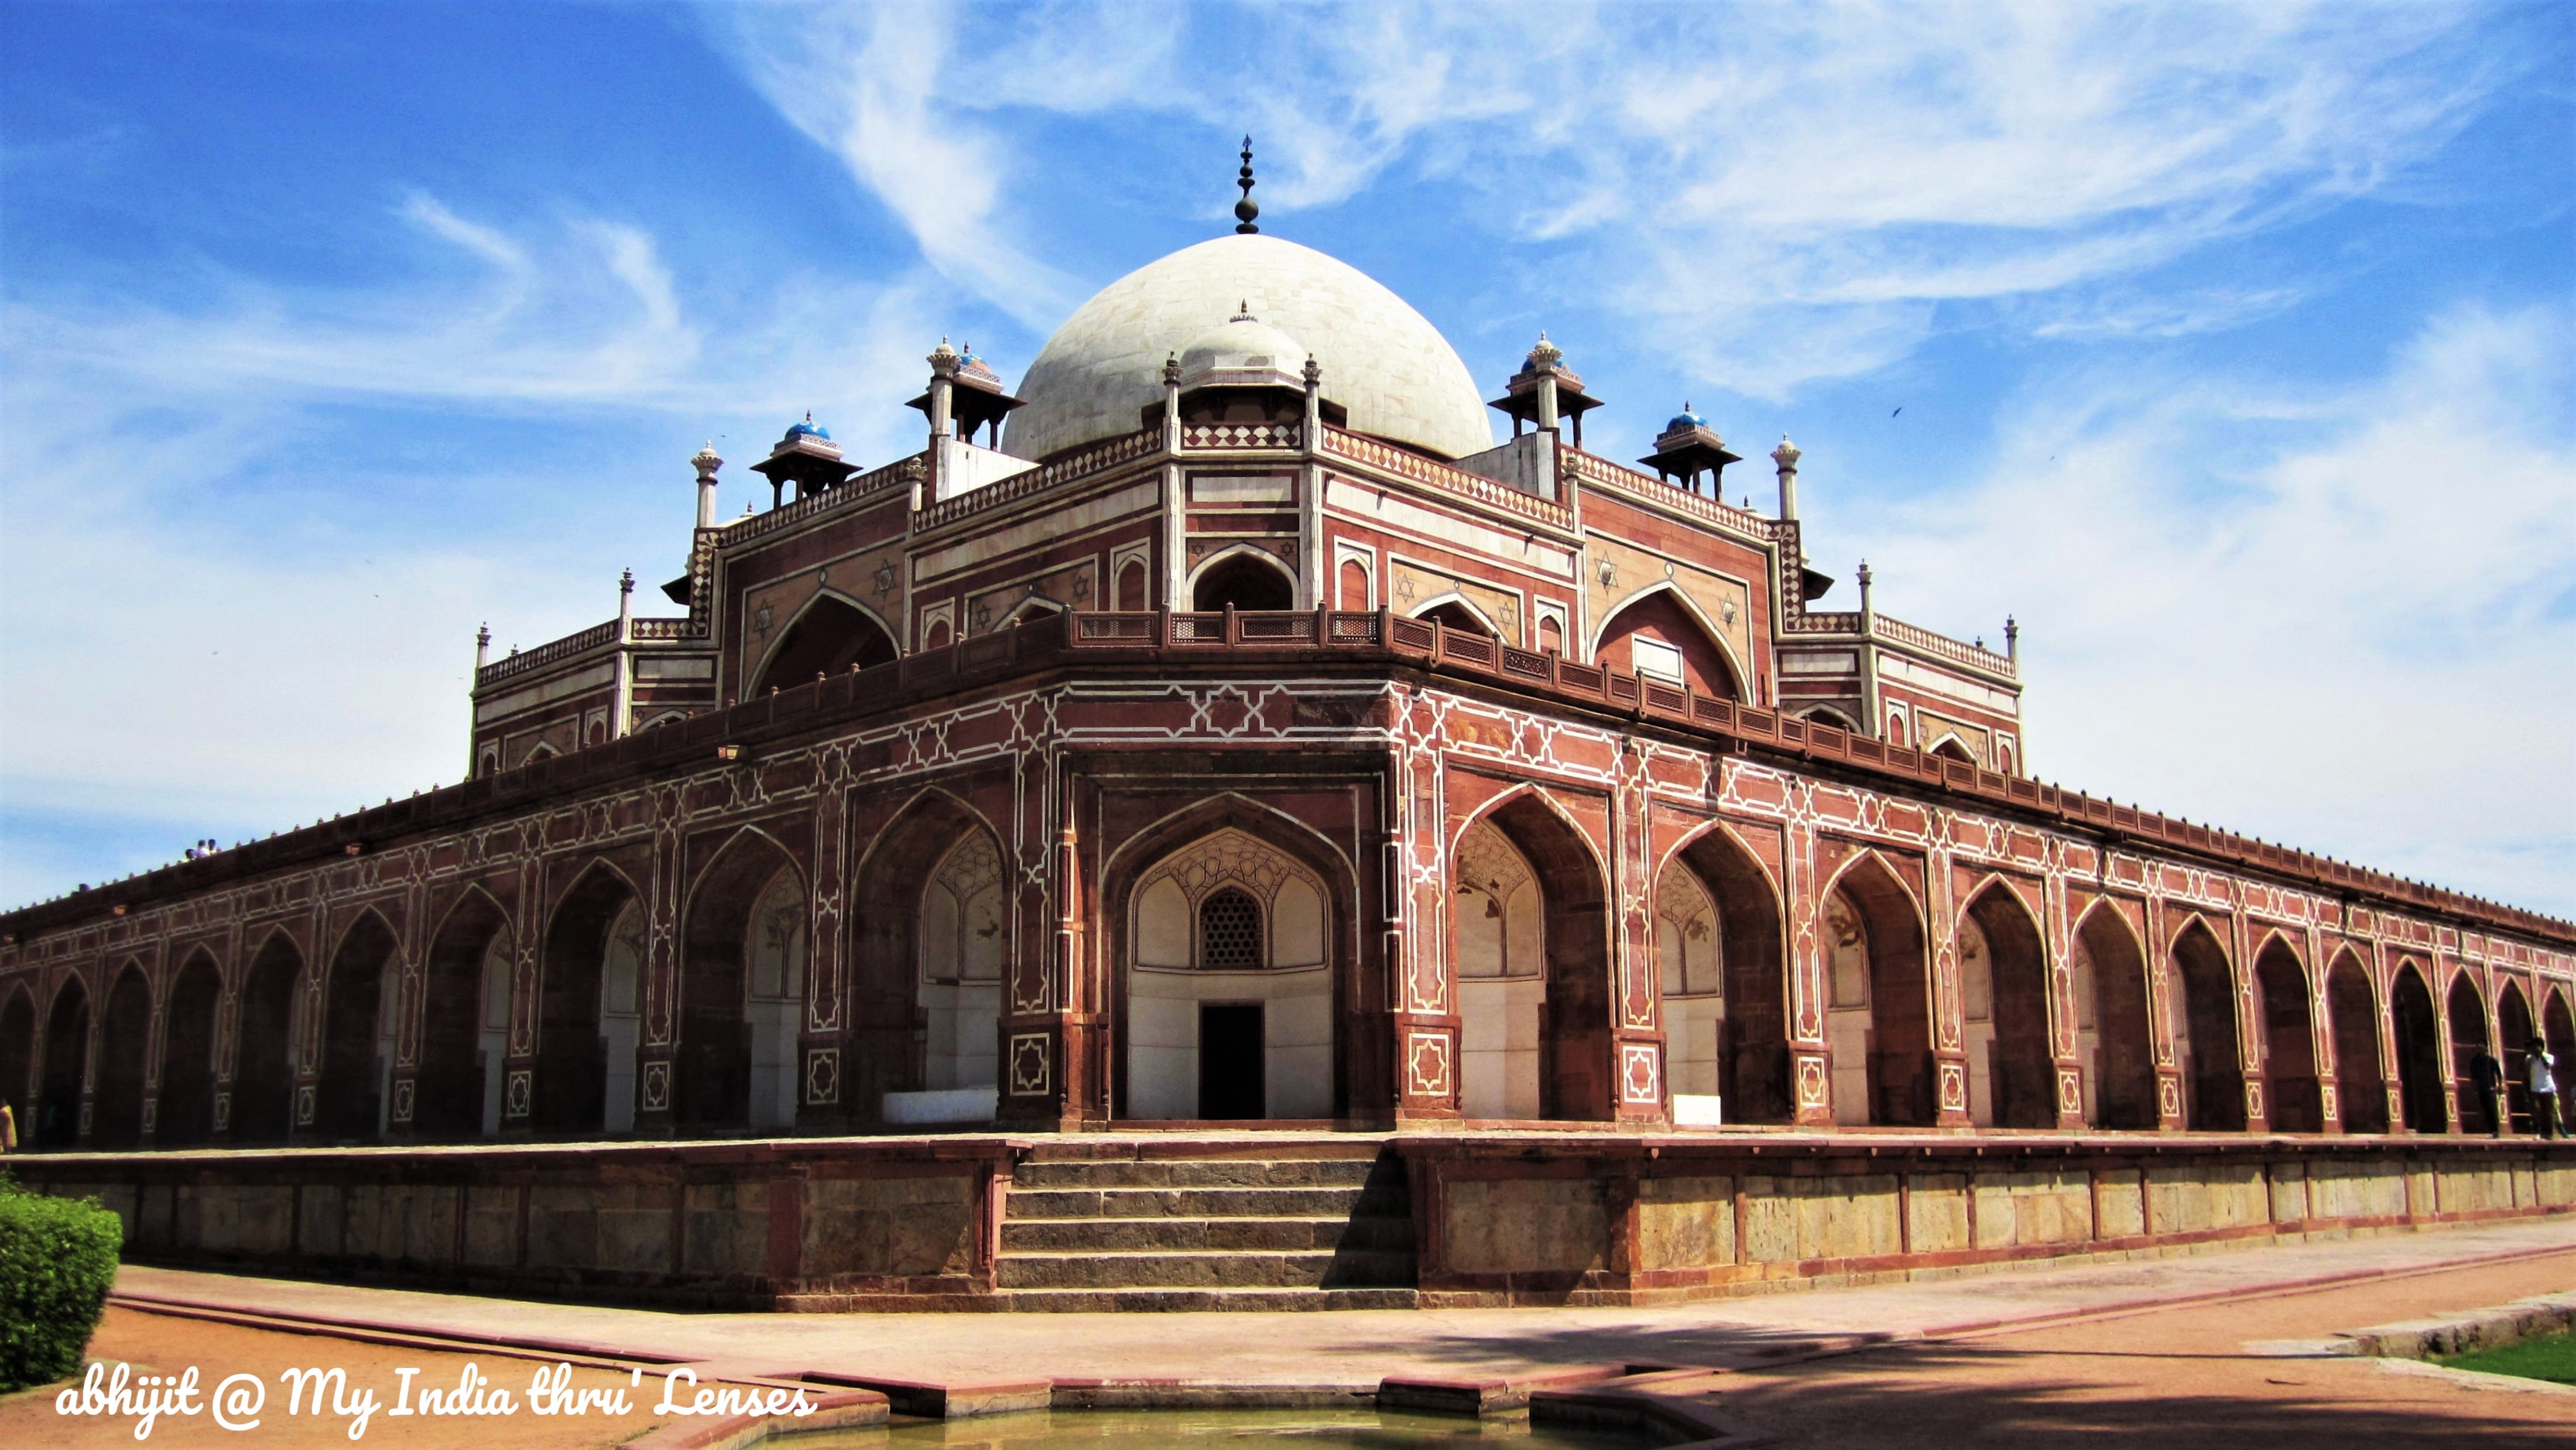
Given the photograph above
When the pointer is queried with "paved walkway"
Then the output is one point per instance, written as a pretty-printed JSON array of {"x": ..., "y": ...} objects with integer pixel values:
[{"x": 1356, "y": 1350}]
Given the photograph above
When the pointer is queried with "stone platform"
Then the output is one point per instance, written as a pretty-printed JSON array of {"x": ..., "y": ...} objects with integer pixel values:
[{"x": 1253, "y": 1220}]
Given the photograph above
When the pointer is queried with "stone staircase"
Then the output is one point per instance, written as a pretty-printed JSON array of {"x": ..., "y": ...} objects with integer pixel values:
[{"x": 1139, "y": 1225}]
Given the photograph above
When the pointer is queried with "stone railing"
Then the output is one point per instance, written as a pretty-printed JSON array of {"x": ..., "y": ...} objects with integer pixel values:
[
  {"x": 1241, "y": 435},
  {"x": 1914, "y": 636},
  {"x": 598, "y": 636},
  {"x": 1161, "y": 642},
  {"x": 1592, "y": 468},
  {"x": 1441, "y": 476},
  {"x": 865, "y": 486},
  {"x": 1038, "y": 480}
]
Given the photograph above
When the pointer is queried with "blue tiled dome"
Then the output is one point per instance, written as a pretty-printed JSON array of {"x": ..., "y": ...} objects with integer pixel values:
[
  {"x": 1685, "y": 419},
  {"x": 809, "y": 428}
]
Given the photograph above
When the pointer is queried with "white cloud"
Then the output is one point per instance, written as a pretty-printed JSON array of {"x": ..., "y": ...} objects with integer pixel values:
[{"x": 2352, "y": 649}]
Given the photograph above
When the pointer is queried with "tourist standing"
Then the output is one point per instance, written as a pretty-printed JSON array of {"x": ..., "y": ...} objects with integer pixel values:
[
  {"x": 2540, "y": 1070},
  {"x": 2486, "y": 1075},
  {"x": 8, "y": 1128}
]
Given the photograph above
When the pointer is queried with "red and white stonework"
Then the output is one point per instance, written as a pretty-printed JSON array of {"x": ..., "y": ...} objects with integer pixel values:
[{"x": 1215, "y": 740}]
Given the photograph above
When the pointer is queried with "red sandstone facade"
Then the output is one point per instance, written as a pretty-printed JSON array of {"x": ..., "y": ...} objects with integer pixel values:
[{"x": 1246, "y": 764}]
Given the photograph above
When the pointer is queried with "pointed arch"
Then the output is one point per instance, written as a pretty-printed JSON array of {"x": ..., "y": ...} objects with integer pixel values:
[
  {"x": 2422, "y": 1092},
  {"x": 2514, "y": 1031},
  {"x": 2361, "y": 1082},
  {"x": 2292, "y": 1096},
  {"x": 1577, "y": 996},
  {"x": 2110, "y": 974},
  {"x": 1879, "y": 1014},
  {"x": 125, "y": 1037},
  {"x": 1951, "y": 747},
  {"x": 888, "y": 1054},
  {"x": 1454, "y": 610},
  {"x": 2207, "y": 1046},
  {"x": 264, "y": 1042},
  {"x": 577, "y": 1061},
  {"x": 1036, "y": 606},
  {"x": 2019, "y": 1067},
  {"x": 1828, "y": 715},
  {"x": 186, "y": 1115},
  {"x": 66, "y": 1064},
  {"x": 2558, "y": 1029},
  {"x": 18, "y": 1054},
  {"x": 1242, "y": 577},
  {"x": 1308, "y": 1058},
  {"x": 1663, "y": 611},
  {"x": 830, "y": 634},
  {"x": 736, "y": 1059},
  {"x": 2465, "y": 1009},
  {"x": 360, "y": 1000},
  {"x": 1753, "y": 1034},
  {"x": 457, "y": 1076}
]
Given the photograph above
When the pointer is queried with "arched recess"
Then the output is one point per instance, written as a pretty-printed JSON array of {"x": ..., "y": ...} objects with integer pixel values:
[
  {"x": 1678, "y": 645},
  {"x": 2003, "y": 994},
  {"x": 1242, "y": 578},
  {"x": 360, "y": 1003},
  {"x": 264, "y": 1044},
  {"x": 1133, "y": 593},
  {"x": 889, "y": 1054},
  {"x": 2113, "y": 1036},
  {"x": 2469, "y": 1037},
  {"x": 1738, "y": 1018},
  {"x": 187, "y": 1114},
  {"x": 18, "y": 1056},
  {"x": 124, "y": 1050},
  {"x": 459, "y": 1074},
  {"x": 1827, "y": 715},
  {"x": 2557, "y": 1028},
  {"x": 1575, "y": 993},
  {"x": 1456, "y": 611},
  {"x": 66, "y": 1062},
  {"x": 832, "y": 635},
  {"x": 1878, "y": 992},
  {"x": 2421, "y": 1090},
  {"x": 2292, "y": 1096},
  {"x": 1950, "y": 747},
  {"x": 965, "y": 945},
  {"x": 742, "y": 989},
  {"x": 2513, "y": 1048},
  {"x": 2361, "y": 1081},
  {"x": 2206, "y": 1045},
  {"x": 1498, "y": 944},
  {"x": 589, "y": 1007},
  {"x": 1229, "y": 998}
]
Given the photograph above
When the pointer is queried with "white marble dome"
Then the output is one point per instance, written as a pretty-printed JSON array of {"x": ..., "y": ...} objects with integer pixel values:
[{"x": 1394, "y": 373}]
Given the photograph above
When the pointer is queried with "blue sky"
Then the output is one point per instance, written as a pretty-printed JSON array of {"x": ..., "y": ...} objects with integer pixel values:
[{"x": 2232, "y": 343}]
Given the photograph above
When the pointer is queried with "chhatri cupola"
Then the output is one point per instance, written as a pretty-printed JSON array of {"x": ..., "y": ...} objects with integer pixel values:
[
  {"x": 807, "y": 458},
  {"x": 1687, "y": 448},
  {"x": 1544, "y": 391}
]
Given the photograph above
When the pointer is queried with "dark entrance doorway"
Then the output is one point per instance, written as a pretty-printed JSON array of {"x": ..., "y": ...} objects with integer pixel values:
[{"x": 1230, "y": 1061}]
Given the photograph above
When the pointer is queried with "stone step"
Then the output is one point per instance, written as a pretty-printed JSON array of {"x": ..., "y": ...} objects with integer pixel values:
[
  {"x": 1222, "y": 1269},
  {"x": 1187, "y": 1202},
  {"x": 1111, "y": 1235},
  {"x": 1193, "y": 1173},
  {"x": 1202, "y": 1301}
]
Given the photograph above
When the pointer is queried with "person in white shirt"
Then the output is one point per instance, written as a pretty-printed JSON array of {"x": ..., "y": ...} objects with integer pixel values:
[{"x": 2540, "y": 1074}]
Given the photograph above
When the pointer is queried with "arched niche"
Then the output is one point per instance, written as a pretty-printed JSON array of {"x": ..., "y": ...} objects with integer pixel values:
[
  {"x": 1229, "y": 1010},
  {"x": 2513, "y": 1048},
  {"x": 1655, "y": 634},
  {"x": 1453, "y": 612},
  {"x": 66, "y": 1063},
  {"x": 1498, "y": 933},
  {"x": 2003, "y": 976},
  {"x": 263, "y": 1099},
  {"x": 742, "y": 990},
  {"x": 18, "y": 1056},
  {"x": 2361, "y": 1080},
  {"x": 2292, "y": 1096},
  {"x": 2421, "y": 1091},
  {"x": 965, "y": 945},
  {"x": 2469, "y": 1037},
  {"x": 459, "y": 1083},
  {"x": 832, "y": 635},
  {"x": 1576, "y": 996},
  {"x": 890, "y": 1052},
  {"x": 360, "y": 1004},
  {"x": 1951, "y": 747},
  {"x": 2558, "y": 1029},
  {"x": 590, "y": 998},
  {"x": 124, "y": 1042},
  {"x": 2206, "y": 1046},
  {"x": 187, "y": 1112},
  {"x": 1243, "y": 579},
  {"x": 1878, "y": 995},
  {"x": 1134, "y": 594},
  {"x": 1725, "y": 989},
  {"x": 2114, "y": 1038}
]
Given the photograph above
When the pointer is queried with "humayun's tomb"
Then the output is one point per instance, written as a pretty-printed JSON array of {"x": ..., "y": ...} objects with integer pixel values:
[{"x": 1213, "y": 829}]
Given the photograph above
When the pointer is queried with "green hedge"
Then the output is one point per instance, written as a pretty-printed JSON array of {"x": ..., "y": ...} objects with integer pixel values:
[{"x": 57, "y": 1259}]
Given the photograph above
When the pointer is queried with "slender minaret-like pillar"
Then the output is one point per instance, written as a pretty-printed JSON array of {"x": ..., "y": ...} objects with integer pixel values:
[
  {"x": 706, "y": 462},
  {"x": 1786, "y": 456}
]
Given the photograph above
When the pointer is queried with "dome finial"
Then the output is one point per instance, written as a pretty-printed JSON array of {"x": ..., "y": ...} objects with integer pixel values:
[{"x": 1245, "y": 210}]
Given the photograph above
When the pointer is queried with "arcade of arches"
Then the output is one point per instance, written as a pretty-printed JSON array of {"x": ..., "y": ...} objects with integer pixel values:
[{"x": 1234, "y": 960}]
